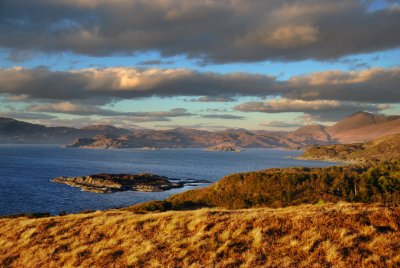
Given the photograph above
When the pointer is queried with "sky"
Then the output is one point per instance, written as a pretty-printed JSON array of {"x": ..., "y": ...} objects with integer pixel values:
[{"x": 205, "y": 64}]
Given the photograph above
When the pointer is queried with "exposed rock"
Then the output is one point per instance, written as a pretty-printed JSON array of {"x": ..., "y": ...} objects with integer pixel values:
[{"x": 109, "y": 183}]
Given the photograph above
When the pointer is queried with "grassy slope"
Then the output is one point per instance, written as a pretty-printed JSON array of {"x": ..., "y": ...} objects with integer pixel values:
[
  {"x": 346, "y": 235},
  {"x": 280, "y": 187},
  {"x": 384, "y": 148}
]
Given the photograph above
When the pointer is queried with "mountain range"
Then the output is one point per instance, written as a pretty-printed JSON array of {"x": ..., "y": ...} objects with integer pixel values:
[{"x": 358, "y": 127}]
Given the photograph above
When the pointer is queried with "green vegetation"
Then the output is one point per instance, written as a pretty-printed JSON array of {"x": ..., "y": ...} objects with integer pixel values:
[{"x": 294, "y": 186}]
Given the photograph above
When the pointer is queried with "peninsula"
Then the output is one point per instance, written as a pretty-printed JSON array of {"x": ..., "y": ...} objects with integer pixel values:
[{"x": 109, "y": 183}]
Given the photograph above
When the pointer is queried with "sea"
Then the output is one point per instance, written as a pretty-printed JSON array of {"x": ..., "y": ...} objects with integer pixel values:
[{"x": 26, "y": 171}]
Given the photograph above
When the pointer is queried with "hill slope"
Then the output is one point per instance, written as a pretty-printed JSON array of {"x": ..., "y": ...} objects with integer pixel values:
[
  {"x": 384, "y": 148},
  {"x": 363, "y": 126},
  {"x": 341, "y": 235}
]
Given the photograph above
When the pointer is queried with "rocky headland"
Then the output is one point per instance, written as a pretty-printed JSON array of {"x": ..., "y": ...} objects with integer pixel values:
[{"x": 109, "y": 183}]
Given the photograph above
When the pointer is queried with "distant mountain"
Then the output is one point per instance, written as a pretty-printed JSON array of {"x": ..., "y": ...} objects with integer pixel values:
[
  {"x": 313, "y": 134},
  {"x": 187, "y": 138},
  {"x": 107, "y": 129},
  {"x": 14, "y": 131},
  {"x": 358, "y": 127},
  {"x": 362, "y": 127}
]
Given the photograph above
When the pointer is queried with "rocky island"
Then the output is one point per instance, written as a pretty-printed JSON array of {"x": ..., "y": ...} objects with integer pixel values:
[
  {"x": 109, "y": 183},
  {"x": 226, "y": 147}
]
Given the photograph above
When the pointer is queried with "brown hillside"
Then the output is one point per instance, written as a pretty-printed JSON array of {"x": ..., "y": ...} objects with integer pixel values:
[
  {"x": 339, "y": 235},
  {"x": 384, "y": 148},
  {"x": 369, "y": 132},
  {"x": 358, "y": 120}
]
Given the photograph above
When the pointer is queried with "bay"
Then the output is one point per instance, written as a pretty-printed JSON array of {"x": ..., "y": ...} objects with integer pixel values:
[{"x": 26, "y": 171}]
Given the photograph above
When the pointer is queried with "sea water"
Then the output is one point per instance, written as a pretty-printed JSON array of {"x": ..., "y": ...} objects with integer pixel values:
[{"x": 26, "y": 171}]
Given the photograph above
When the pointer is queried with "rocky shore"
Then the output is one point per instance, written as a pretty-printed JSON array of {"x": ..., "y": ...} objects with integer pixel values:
[{"x": 109, "y": 183}]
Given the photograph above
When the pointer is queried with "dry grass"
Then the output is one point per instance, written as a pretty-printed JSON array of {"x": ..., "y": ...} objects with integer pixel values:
[{"x": 339, "y": 235}]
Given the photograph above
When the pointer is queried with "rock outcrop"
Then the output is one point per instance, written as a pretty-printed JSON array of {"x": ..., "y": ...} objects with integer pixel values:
[{"x": 109, "y": 183}]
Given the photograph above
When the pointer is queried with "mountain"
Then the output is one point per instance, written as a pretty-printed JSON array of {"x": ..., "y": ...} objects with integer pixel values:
[
  {"x": 363, "y": 126},
  {"x": 313, "y": 134},
  {"x": 187, "y": 138},
  {"x": 14, "y": 131},
  {"x": 107, "y": 129},
  {"x": 358, "y": 127}
]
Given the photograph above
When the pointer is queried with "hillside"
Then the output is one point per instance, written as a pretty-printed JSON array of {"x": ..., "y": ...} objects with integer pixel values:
[
  {"x": 363, "y": 126},
  {"x": 384, "y": 148},
  {"x": 340, "y": 235},
  {"x": 281, "y": 187}
]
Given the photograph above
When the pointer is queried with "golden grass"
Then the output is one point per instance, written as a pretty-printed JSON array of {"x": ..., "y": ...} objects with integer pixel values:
[{"x": 340, "y": 235}]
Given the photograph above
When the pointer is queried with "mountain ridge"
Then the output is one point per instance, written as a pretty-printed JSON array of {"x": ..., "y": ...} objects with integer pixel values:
[{"x": 357, "y": 127}]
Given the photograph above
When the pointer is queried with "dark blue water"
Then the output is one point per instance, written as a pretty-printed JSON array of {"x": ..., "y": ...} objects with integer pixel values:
[{"x": 26, "y": 171}]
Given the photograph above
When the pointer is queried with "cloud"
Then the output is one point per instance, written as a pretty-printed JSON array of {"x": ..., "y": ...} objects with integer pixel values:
[
  {"x": 223, "y": 116},
  {"x": 320, "y": 110},
  {"x": 213, "y": 99},
  {"x": 154, "y": 62},
  {"x": 377, "y": 85},
  {"x": 199, "y": 126},
  {"x": 104, "y": 85},
  {"x": 87, "y": 110},
  {"x": 26, "y": 116},
  {"x": 281, "y": 124},
  {"x": 101, "y": 86},
  {"x": 210, "y": 30}
]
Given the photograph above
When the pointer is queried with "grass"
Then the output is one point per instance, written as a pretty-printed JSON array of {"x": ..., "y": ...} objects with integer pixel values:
[{"x": 323, "y": 235}]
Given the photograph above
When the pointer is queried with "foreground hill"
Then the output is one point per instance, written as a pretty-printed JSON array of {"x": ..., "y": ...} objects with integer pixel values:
[
  {"x": 340, "y": 235},
  {"x": 384, "y": 148},
  {"x": 281, "y": 187}
]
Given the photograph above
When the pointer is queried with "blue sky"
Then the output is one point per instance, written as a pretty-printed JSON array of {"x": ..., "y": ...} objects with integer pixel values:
[{"x": 280, "y": 51}]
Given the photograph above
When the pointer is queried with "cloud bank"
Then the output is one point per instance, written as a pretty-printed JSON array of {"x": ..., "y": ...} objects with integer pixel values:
[
  {"x": 100, "y": 86},
  {"x": 210, "y": 30}
]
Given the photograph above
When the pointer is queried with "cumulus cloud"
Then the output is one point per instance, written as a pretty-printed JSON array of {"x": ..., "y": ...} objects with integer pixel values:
[
  {"x": 87, "y": 110},
  {"x": 213, "y": 99},
  {"x": 199, "y": 126},
  {"x": 320, "y": 110},
  {"x": 216, "y": 30},
  {"x": 281, "y": 124},
  {"x": 375, "y": 85},
  {"x": 154, "y": 62},
  {"x": 104, "y": 85},
  {"x": 100, "y": 86},
  {"x": 223, "y": 116},
  {"x": 26, "y": 116}
]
